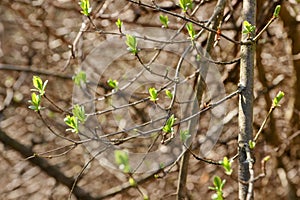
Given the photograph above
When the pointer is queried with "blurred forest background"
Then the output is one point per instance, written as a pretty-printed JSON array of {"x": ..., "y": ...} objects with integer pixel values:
[{"x": 35, "y": 39}]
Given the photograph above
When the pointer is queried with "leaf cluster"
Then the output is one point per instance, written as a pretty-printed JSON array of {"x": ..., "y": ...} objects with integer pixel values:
[
  {"x": 185, "y": 5},
  {"x": 122, "y": 160},
  {"x": 131, "y": 44},
  {"x": 218, "y": 187},
  {"x": 85, "y": 7},
  {"x": 168, "y": 128},
  {"x": 39, "y": 87}
]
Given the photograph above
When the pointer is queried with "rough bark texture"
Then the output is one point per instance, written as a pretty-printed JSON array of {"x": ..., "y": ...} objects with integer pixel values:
[{"x": 246, "y": 98}]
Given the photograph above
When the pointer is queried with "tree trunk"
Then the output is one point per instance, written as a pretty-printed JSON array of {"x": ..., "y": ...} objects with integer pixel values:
[{"x": 246, "y": 99}]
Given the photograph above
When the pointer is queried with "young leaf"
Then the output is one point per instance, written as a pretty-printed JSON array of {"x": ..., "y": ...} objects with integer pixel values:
[
  {"x": 248, "y": 28},
  {"x": 39, "y": 85},
  {"x": 119, "y": 23},
  {"x": 113, "y": 83},
  {"x": 278, "y": 98},
  {"x": 72, "y": 122},
  {"x": 80, "y": 78},
  {"x": 161, "y": 165},
  {"x": 153, "y": 94},
  {"x": 218, "y": 187},
  {"x": 79, "y": 112},
  {"x": 132, "y": 44},
  {"x": 185, "y": 5},
  {"x": 251, "y": 144},
  {"x": 267, "y": 158},
  {"x": 191, "y": 30},
  {"x": 145, "y": 197},
  {"x": 168, "y": 128},
  {"x": 164, "y": 20},
  {"x": 132, "y": 182},
  {"x": 122, "y": 159},
  {"x": 85, "y": 7},
  {"x": 169, "y": 94},
  {"x": 277, "y": 11},
  {"x": 217, "y": 182},
  {"x": 35, "y": 102},
  {"x": 226, "y": 163},
  {"x": 184, "y": 135}
]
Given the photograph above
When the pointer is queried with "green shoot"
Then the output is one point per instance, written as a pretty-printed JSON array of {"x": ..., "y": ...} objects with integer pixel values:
[
  {"x": 113, "y": 83},
  {"x": 72, "y": 122},
  {"x": 218, "y": 187},
  {"x": 168, "y": 128},
  {"x": 79, "y": 112},
  {"x": 79, "y": 78},
  {"x": 153, "y": 94},
  {"x": 191, "y": 31},
  {"x": 85, "y": 7},
  {"x": 252, "y": 144},
  {"x": 35, "y": 102},
  {"x": 186, "y": 4},
  {"x": 248, "y": 28},
  {"x": 132, "y": 182},
  {"x": 277, "y": 99},
  {"x": 161, "y": 165},
  {"x": 119, "y": 24},
  {"x": 164, "y": 20},
  {"x": 267, "y": 158},
  {"x": 226, "y": 163},
  {"x": 39, "y": 85},
  {"x": 184, "y": 136},
  {"x": 132, "y": 44},
  {"x": 277, "y": 11},
  {"x": 122, "y": 159},
  {"x": 275, "y": 104},
  {"x": 169, "y": 94}
]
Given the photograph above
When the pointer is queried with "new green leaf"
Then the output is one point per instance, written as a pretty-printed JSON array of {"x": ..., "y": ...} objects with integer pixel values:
[
  {"x": 226, "y": 163},
  {"x": 79, "y": 112},
  {"x": 85, "y": 7},
  {"x": 164, "y": 20},
  {"x": 35, "y": 102},
  {"x": 248, "y": 28},
  {"x": 278, "y": 98},
  {"x": 132, "y": 182},
  {"x": 277, "y": 11},
  {"x": 153, "y": 94},
  {"x": 252, "y": 144},
  {"x": 185, "y": 5},
  {"x": 113, "y": 83},
  {"x": 168, "y": 128},
  {"x": 184, "y": 135},
  {"x": 122, "y": 160},
  {"x": 131, "y": 44},
  {"x": 267, "y": 158},
  {"x": 119, "y": 23},
  {"x": 80, "y": 78},
  {"x": 218, "y": 187},
  {"x": 169, "y": 94},
  {"x": 72, "y": 122},
  {"x": 191, "y": 30},
  {"x": 39, "y": 85}
]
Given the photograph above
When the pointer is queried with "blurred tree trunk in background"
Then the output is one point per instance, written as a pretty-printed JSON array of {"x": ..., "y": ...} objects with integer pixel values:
[{"x": 293, "y": 29}]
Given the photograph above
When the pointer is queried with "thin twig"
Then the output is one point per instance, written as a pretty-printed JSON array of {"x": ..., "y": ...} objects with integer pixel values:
[
  {"x": 183, "y": 18},
  {"x": 70, "y": 146}
]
